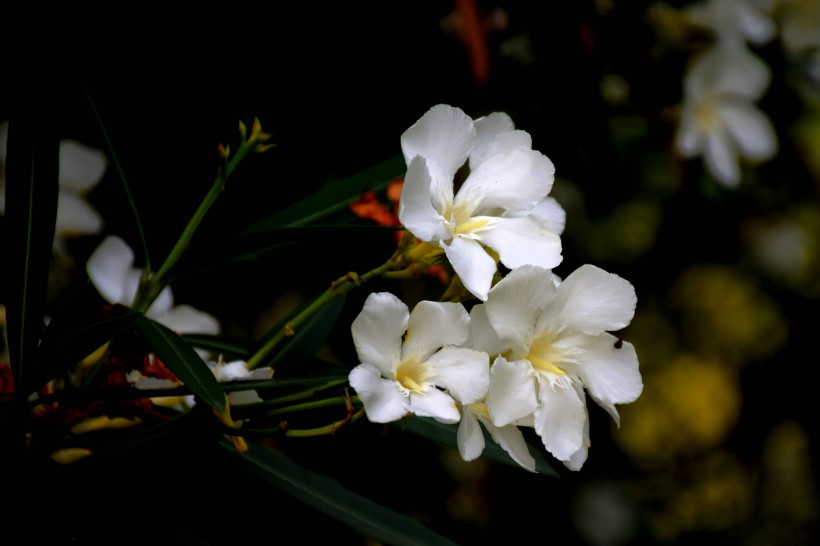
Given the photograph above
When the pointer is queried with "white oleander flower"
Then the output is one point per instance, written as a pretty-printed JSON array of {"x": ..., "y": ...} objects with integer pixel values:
[
  {"x": 111, "y": 269},
  {"x": 80, "y": 169},
  {"x": 502, "y": 205},
  {"x": 719, "y": 119},
  {"x": 736, "y": 20},
  {"x": 559, "y": 348},
  {"x": 408, "y": 358}
]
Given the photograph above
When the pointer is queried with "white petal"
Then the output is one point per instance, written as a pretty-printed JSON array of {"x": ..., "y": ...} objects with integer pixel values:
[
  {"x": 443, "y": 135},
  {"x": 108, "y": 268},
  {"x": 751, "y": 129},
  {"x": 436, "y": 404},
  {"x": 559, "y": 420},
  {"x": 515, "y": 303},
  {"x": 551, "y": 214},
  {"x": 512, "y": 441},
  {"x": 472, "y": 264},
  {"x": 721, "y": 158},
  {"x": 75, "y": 216},
  {"x": 382, "y": 399},
  {"x": 469, "y": 437},
  {"x": 609, "y": 369},
  {"x": 378, "y": 330},
  {"x": 465, "y": 373},
  {"x": 487, "y": 128},
  {"x": 433, "y": 325},
  {"x": 241, "y": 398},
  {"x": 577, "y": 459},
  {"x": 523, "y": 241},
  {"x": 184, "y": 319},
  {"x": 482, "y": 335},
  {"x": 233, "y": 371},
  {"x": 593, "y": 301},
  {"x": 727, "y": 68},
  {"x": 416, "y": 210},
  {"x": 514, "y": 180},
  {"x": 162, "y": 305},
  {"x": 81, "y": 167},
  {"x": 511, "y": 395},
  {"x": 755, "y": 24}
]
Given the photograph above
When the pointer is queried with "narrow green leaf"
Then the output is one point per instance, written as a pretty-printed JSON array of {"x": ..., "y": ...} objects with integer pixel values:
[
  {"x": 74, "y": 333},
  {"x": 183, "y": 361},
  {"x": 329, "y": 497},
  {"x": 31, "y": 210},
  {"x": 230, "y": 347},
  {"x": 446, "y": 435},
  {"x": 334, "y": 196}
]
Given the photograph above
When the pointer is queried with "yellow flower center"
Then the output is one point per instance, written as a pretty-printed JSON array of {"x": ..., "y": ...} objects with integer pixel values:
[{"x": 413, "y": 375}]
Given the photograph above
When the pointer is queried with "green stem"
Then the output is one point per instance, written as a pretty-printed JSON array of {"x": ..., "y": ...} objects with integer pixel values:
[
  {"x": 324, "y": 403},
  {"x": 301, "y": 395},
  {"x": 150, "y": 290},
  {"x": 338, "y": 288},
  {"x": 325, "y": 430}
]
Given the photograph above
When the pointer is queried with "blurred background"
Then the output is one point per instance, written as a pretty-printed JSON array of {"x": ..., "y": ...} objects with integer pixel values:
[{"x": 721, "y": 448}]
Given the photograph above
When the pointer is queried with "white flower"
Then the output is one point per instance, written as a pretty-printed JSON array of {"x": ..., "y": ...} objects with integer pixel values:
[
  {"x": 81, "y": 169},
  {"x": 397, "y": 377},
  {"x": 111, "y": 269},
  {"x": 503, "y": 204},
  {"x": 736, "y": 20},
  {"x": 559, "y": 347},
  {"x": 719, "y": 118}
]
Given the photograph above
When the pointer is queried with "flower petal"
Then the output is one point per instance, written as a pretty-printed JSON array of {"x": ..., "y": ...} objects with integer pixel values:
[
  {"x": 515, "y": 303},
  {"x": 609, "y": 369},
  {"x": 577, "y": 459},
  {"x": 470, "y": 438},
  {"x": 523, "y": 241},
  {"x": 81, "y": 167},
  {"x": 433, "y": 325},
  {"x": 378, "y": 330},
  {"x": 514, "y": 180},
  {"x": 559, "y": 420},
  {"x": 721, "y": 157},
  {"x": 593, "y": 301},
  {"x": 512, "y": 441},
  {"x": 482, "y": 336},
  {"x": 465, "y": 373},
  {"x": 487, "y": 128},
  {"x": 551, "y": 214},
  {"x": 75, "y": 216},
  {"x": 472, "y": 264},
  {"x": 184, "y": 319},
  {"x": 443, "y": 135},
  {"x": 416, "y": 210},
  {"x": 382, "y": 399},
  {"x": 751, "y": 129},
  {"x": 511, "y": 395},
  {"x": 108, "y": 268},
  {"x": 436, "y": 404}
]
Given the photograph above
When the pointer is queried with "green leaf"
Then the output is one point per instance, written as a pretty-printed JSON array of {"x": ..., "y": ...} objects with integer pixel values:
[
  {"x": 183, "y": 361},
  {"x": 74, "y": 332},
  {"x": 31, "y": 210},
  {"x": 329, "y": 497},
  {"x": 334, "y": 196},
  {"x": 446, "y": 435},
  {"x": 230, "y": 347}
]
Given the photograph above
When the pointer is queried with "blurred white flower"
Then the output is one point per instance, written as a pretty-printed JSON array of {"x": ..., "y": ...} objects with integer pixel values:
[
  {"x": 502, "y": 205},
  {"x": 559, "y": 345},
  {"x": 719, "y": 119},
  {"x": 81, "y": 169},
  {"x": 111, "y": 269},
  {"x": 735, "y": 20},
  {"x": 408, "y": 358}
]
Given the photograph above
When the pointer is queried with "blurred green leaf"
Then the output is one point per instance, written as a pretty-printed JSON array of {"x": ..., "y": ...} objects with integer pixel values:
[
  {"x": 328, "y": 496},
  {"x": 31, "y": 210},
  {"x": 334, "y": 196},
  {"x": 183, "y": 361},
  {"x": 230, "y": 347},
  {"x": 446, "y": 435}
]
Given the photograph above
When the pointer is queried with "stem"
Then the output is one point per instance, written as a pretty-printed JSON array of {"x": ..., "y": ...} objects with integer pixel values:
[
  {"x": 325, "y": 403},
  {"x": 340, "y": 287},
  {"x": 327, "y": 429}
]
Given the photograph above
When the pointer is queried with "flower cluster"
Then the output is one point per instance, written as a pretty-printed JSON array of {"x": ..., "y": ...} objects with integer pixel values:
[{"x": 532, "y": 347}]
